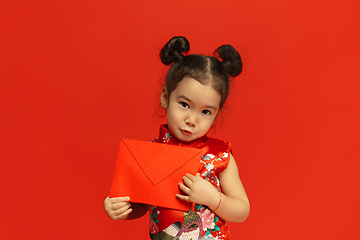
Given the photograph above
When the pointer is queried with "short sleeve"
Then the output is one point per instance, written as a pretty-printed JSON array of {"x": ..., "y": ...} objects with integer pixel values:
[{"x": 215, "y": 159}]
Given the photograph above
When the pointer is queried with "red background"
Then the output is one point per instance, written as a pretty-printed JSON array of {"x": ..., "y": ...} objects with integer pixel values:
[{"x": 76, "y": 76}]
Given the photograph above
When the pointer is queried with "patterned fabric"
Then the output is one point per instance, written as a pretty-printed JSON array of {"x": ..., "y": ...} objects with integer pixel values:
[{"x": 200, "y": 222}]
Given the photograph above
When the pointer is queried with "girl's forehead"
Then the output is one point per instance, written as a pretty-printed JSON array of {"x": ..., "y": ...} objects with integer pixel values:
[
  {"x": 189, "y": 83},
  {"x": 191, "y": 89}
]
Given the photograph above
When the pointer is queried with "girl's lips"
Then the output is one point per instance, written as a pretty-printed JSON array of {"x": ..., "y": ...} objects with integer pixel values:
[{"x": 186, "y": 132}]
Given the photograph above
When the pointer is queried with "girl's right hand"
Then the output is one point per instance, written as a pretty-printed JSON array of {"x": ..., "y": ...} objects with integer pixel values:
[{"x": 117, "y": 208}]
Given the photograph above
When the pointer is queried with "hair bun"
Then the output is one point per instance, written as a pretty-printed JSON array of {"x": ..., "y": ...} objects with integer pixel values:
[
  {"x": 173, "y": 50},
  {"x": 231, "y": 59}
]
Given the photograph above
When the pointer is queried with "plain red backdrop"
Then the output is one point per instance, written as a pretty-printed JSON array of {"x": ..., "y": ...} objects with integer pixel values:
[{"x": 76, "y": 76}]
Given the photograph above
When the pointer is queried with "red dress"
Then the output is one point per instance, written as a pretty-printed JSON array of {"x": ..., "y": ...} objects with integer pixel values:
[{"x": 200, "y": 222}]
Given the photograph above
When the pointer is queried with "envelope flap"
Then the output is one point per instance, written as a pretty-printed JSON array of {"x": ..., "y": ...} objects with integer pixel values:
[{"x": 165, "y": 159}]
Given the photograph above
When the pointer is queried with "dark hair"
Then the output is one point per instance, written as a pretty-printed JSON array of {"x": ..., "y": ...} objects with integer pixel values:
[{"x": 201, "y": 68}]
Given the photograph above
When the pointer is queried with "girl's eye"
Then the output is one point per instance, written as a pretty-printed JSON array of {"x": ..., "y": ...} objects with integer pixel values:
[
  {"x": 184, "y": 104},
  {"x": 206, "y": 112}
]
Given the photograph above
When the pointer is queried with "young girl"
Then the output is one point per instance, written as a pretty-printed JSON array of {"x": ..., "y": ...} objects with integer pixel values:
[{"x": 195, "y": 92}]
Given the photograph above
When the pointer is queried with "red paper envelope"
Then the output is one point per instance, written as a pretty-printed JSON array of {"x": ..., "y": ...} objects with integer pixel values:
[{"x": 150, "y": 172}]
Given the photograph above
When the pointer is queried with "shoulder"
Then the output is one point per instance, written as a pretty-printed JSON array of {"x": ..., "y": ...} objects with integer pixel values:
[
  {"x": 218, "y": 144},
  {"x": 216, "y": 152}
]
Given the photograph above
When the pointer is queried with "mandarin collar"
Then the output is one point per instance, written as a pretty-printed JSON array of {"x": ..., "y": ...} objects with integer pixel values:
[{"x": 166, "y": 137}]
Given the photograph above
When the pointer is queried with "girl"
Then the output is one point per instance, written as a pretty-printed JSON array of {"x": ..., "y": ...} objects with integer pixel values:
[{"x": 195, "y": 92}]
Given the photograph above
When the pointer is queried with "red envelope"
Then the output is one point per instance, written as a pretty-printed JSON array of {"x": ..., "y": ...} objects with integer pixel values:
[{"x": 150, "y": 172}]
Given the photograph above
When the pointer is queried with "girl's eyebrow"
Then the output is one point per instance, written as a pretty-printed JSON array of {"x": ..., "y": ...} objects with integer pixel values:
[
  {"x": 189, "y": 100},
  {"x": 212, "y": 107}
]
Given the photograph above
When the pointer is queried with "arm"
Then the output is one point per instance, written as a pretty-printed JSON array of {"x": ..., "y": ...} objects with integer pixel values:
[
  {"x": 121, "y": 208},
  {"x": 234, "y": 206}
]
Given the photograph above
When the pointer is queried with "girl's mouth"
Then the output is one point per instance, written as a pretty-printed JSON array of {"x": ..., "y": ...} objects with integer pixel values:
[{"x": 186, "y": 132}]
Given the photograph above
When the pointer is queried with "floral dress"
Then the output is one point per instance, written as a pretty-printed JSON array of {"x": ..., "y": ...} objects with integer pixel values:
[{"x": 200, "y": 222}]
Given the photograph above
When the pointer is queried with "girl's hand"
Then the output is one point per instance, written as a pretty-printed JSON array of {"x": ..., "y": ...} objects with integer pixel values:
[
  {"x": 199, "y": 191},
  {"x": 117, "y": 208}
]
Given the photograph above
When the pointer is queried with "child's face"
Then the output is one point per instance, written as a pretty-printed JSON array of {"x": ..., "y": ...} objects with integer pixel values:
[{"x": 191, "y": 108}]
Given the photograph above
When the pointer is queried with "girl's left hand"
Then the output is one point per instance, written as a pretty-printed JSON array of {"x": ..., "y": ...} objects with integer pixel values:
[{"x": 198, "y": 190}]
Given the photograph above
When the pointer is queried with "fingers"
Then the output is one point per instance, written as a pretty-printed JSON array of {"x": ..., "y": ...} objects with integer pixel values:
[
  {"x": 115, "y": 203},
  {"x": 119, "y": 199},
  {"x": 188, "y": 185},
  {"x": 188, "y": 180},
  {"x": 121, "y": 212},
  {"x": 118, "y": 211},
  {"x": 191, "y": 177},
  {"x": 118, "y": 207},
  {"x": 127, "y": 212},
  {"x": 184, "y": 198},
  {"x": 184, "y": 188}
]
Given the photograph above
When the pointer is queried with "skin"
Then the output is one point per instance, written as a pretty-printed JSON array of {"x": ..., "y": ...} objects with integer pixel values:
[{"x": 191, "y": 110}]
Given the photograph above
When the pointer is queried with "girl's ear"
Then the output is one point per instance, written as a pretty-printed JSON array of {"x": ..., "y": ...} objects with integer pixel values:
[{"x": 164, "y": 97}]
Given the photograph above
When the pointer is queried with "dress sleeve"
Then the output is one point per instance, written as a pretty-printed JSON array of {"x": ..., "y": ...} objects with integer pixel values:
[
  {"x": 225, "y": 153},
  {"x": 216, "y": 156}
]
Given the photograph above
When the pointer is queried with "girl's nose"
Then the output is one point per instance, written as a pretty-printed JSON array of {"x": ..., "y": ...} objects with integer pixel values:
[{"x": 190, "y": 122}]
